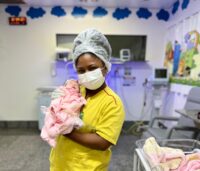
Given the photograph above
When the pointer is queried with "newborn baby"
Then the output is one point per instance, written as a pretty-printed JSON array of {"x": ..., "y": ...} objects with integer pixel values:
[{"x": 62, "y": 116}]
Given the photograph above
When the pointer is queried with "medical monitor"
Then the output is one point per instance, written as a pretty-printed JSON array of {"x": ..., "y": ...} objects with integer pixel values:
[
  {"x": 125, "y": 54},
  {"x": 160, "y": 76},
  {"x": 62, "y": 54}
]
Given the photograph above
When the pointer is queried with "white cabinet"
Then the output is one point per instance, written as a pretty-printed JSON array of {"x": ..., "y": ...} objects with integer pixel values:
[{"x": 44, "y": 99}]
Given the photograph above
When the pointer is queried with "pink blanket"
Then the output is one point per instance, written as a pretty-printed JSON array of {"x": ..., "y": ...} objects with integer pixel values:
[
  {"x": 162, "y": 158},
  {"x": 169, "y": 159},
  {"x": 190, "y": 163},
  {"x": 62, "y": 116}
]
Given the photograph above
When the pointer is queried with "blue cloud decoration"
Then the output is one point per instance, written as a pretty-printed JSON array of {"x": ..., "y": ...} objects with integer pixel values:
[
  {"x": 143, "y": 13},
  {"x": 175, "y": 7},
  {"x": 35, "y": 12},
  {"x": 185, "y": 4},
  {"x": 58, "y": 11},
  {"x": 13, "y": 10},
  {"x": 79, "y": 12},
  {"x": 118, "y": 14},
  {"x": 163, "y": 15},
  {"x": 100, "y": 12},
  {"x": 121, "y": 13}
]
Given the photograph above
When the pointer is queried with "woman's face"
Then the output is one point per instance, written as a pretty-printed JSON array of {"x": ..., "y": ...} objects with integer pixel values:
[{"x": 89, "y": 62}]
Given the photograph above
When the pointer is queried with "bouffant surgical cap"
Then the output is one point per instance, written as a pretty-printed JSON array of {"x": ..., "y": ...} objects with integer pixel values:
[{"x": 94, "y": 42}]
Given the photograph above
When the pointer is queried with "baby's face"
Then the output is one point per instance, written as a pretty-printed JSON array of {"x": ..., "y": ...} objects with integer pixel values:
[{"x": 72, "y": 84}]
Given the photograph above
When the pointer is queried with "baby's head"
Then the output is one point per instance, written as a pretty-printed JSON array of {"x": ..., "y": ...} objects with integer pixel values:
[{"x": 72, "y": 84}]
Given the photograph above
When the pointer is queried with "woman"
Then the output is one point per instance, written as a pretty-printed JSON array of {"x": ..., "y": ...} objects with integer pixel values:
[{"x": 89, "y": 148}]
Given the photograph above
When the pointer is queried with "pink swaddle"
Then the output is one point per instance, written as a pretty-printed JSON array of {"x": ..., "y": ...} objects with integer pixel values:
[
  {"x": 162, "y": 158},
  {"x": 190, "y": 163},
  {"x": 170, "y": 159},
  {"x": 62, "y": 116}
]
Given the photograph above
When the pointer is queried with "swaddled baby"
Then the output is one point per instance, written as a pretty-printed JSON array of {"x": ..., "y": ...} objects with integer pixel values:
[{"x": 62, "y": 116}]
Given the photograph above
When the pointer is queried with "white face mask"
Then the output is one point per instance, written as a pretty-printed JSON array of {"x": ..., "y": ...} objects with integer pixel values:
[{"x": 92, "y": 80}]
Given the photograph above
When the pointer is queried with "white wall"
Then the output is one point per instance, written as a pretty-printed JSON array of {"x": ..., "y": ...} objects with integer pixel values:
[{"x": 27, "y": 51}]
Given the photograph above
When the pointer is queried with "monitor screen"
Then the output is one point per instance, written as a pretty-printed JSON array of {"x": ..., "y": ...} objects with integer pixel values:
[
  {"x": 125, "y": 53},
  {"x": 160, "y": 73}
]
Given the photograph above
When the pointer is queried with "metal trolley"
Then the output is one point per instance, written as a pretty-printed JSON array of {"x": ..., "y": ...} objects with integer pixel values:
[{"x": 140, "y": 162}]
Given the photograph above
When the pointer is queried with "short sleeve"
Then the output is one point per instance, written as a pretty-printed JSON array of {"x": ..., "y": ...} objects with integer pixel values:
[{"x": 111, "y": 121}]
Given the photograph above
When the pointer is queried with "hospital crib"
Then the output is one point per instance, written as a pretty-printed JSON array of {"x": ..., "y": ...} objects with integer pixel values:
[{"x": 140, "y": 162}]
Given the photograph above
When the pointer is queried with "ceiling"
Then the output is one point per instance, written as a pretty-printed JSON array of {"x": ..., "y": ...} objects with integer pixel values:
[{"x": 152, "y": 4}]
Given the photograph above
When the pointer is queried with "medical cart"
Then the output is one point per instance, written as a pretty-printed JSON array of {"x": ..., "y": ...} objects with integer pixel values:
[{"x": 140, "y": 162}]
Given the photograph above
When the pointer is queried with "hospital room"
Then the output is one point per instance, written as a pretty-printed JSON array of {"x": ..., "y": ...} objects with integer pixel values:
[{"x": 100, "y": 85}]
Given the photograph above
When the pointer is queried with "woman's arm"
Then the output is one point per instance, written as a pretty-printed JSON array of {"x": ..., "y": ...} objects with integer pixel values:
[{"x": 91, "y": 140}]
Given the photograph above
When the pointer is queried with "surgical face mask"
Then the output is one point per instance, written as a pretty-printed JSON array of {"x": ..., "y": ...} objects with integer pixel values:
[{"x": 92, "y": 80}]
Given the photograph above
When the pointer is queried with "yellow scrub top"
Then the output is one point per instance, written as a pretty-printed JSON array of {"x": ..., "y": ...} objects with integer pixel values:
[{"x": 103, "y": 114}]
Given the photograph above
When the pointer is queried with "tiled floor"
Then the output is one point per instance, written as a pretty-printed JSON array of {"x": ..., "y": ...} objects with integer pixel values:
[{"x": 23, "y": 150}]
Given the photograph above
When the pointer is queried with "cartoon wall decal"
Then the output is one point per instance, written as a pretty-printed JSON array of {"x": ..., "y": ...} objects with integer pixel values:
[
  {"x": 121, "y": 13},
  {"x": 163, "y": 15},
  {"x": 79, "y": 12},
  {"x": 191, "y": 41},
  {"x": 185, "y": 4},
  {"x": 176, "y": 58},
  {"x": 144, "y": 13},
  {"x": 13, "y": 10},
  {"x": 183, "y": 60},
  {"x": 58, "y": 11},
  {"x": 100, "y": 12},
  {"x": 175, "y": 7},
  {"x": 169, "y": 54},
  {"x": 195, "y": 72},
  {"x": 35, "y": 13}
]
